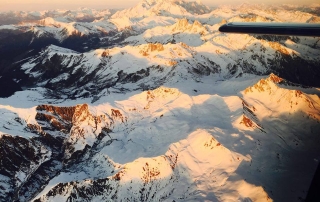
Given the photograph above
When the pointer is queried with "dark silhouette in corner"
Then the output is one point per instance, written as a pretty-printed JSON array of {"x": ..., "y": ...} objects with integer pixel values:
[{"x": 8, "y": 87}]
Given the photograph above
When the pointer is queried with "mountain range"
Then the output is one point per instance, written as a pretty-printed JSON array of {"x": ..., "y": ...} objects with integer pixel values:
[{"x": 153, "y": 103}]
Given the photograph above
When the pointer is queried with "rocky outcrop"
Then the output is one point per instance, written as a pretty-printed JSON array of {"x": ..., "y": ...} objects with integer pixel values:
[
  {"x": 28, "y": 164},
  {"x": 20, "y": 158},
  {"x": 182, "y": 25},
  {"x": 249, "y": 118}
]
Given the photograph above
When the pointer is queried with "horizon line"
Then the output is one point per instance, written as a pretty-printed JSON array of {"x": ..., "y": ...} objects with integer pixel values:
[{"x": 30, "y": 7}]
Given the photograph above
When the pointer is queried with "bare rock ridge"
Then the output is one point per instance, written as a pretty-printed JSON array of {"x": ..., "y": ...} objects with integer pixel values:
[{"x": 35, "y": 161}]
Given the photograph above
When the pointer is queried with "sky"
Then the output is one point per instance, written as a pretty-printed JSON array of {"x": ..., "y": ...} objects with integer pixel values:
[{"x": 37, "y": 5}]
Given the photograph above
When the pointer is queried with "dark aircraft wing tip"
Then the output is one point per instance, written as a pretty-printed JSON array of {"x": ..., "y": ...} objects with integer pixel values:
[{"x": 289, "y": 29}]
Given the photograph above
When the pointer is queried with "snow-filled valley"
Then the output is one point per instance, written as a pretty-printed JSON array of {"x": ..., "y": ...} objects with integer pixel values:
[{"x": 153, "y": 103}]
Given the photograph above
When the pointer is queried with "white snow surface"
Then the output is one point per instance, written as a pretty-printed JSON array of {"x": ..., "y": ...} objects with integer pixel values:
[
  {"x": 218, "y": 157},
  {"x": 149, "y": 14}
]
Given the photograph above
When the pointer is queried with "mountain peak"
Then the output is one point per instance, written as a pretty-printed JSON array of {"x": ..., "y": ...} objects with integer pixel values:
[
  {"x": 274, "y": 78},
  {"x": 57, "y": 49},
  {"x": 281, "y": 92},
  {"x": 268, "y": 84},
  {"x": 164, "y": 7},
  {"x": 159, "y": 1},
  {"x": 151, "y": 2},
  {"x": 184, "y": 25}
]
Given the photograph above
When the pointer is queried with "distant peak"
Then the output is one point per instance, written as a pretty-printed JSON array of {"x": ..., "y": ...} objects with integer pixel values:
[
  {"x": 57, "y": 49},
  {"x": 161, "y": 1},
  {"x": 275, "y": 79},
  {"x": 151, "y": 2}
]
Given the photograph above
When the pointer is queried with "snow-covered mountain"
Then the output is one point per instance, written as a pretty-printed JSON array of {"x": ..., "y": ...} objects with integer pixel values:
[
  {"x": 153, "y": 103},
  {"x": 147, "y": 14},
  {"x": 78, "y": 15},
  {"x": 150, "y": 65},
  {"x": 166, "y": 144},
  {"x": 176, "y": 8}
]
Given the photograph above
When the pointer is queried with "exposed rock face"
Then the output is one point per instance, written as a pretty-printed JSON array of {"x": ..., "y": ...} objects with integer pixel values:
[
  {"x": 249, "y": 118},
  {"x": 28, "y": 164},
  {"x": 20, "y": 158},
  {"x": 184, "y": 26},
  {"x": 60, "y": 118}
]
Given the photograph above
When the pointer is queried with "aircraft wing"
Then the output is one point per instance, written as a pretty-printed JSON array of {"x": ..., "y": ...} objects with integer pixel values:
[{"x": 290, "y": 29}]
